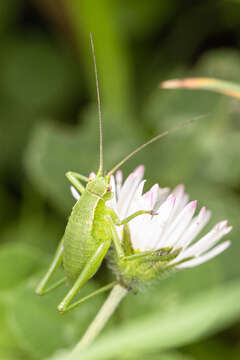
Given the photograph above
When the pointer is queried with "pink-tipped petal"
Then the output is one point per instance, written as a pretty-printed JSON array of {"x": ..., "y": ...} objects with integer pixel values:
[
  {"x": 207, "y": 242},
  {"x": 193, "y": 204},
  {"x": 202, "y": 214},
  {"x": 128, "y": 191},
  {"x": 161, "y": 220},
  {"x": 196, "y": 225},
  {"x": 139, "y": 171},
  {"x": 221, "y": 225},
  {"x": 151, "y": 195},
  {"x": 178, "y": 189},
  {"x": 119, "y": 177},
  {"x": 166, "y": 208},
  {"x": 206, "y": 257},
  {"x": 181, "y": 201},
  {"x": 180, "y": 224}
]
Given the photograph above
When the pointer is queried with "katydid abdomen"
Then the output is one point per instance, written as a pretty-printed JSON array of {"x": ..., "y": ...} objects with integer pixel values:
[{"x": 85, "y": 231}]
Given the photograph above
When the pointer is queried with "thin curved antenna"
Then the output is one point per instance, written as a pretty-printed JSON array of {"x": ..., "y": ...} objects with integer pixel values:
[
  {"x": 100, "y": 170},
  {"x": 155, "y": 138}
]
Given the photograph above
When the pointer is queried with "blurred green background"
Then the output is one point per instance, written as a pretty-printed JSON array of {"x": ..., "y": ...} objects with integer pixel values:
[{"x": 48, "y": 125}]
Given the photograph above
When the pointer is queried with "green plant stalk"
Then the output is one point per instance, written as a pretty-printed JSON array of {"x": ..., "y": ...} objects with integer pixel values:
[{"x": 106, "y": 311}]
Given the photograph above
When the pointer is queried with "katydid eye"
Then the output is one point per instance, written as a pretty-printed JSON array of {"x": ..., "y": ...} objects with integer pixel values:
[{"x": 108, "y": 188}]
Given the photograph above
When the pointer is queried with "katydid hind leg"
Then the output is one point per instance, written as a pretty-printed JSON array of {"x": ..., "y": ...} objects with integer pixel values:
[
  {"x": 75, "y": 178},
  {"x": 88, "y": 271},
  {"x": 56, "y": 262},
  {"x": 91, "y": 295}
]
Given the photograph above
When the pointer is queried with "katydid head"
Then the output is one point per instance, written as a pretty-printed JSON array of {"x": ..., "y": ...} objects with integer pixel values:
[{"x": 100, "y": 186}]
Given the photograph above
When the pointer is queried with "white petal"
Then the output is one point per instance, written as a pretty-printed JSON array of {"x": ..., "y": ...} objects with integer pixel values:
[
  {"x": 209, "y": 255},
  {"x": 151, "y": 227},
  {"x": 180, "y": 200},
  {"x": 128, "y": 190},
  {"x": 152, "y": 196},
  {"x": 207, "y": 241},
  {"x": 119, "y": 178},
  {"x": 142, "y": 226},
  {"x": 194, "y": 228},
  {"x": 176, "y": 229},
  {"x": 75, "y": 193},
  {"x": 160, "y": 222},
  {"x": 138, "y": 196},
  {"x": 162, "y": 196}
]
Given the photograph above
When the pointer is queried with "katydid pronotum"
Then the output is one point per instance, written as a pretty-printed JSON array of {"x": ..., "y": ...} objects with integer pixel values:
[{"x": 90, "y": 230}]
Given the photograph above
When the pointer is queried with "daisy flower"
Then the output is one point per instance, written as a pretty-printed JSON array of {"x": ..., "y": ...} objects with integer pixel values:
[{"x": 172, "y": 230}]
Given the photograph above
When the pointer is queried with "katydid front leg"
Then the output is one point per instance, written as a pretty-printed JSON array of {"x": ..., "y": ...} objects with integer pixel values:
[
  {"x": 155, "y": 256},
  {"x": 74, "y": 178},
  {"x": 119, "y": 222}
]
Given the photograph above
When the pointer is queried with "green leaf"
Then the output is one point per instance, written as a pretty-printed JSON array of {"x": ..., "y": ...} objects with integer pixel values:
[
  {"x": 9, "y": 349},
  {"x": 9, "y": 11},
  {"x": 38, "y": 74},
  {"x": 40, "y": 329},
  {"x": 34, "y": 227},
  {"x": 17, "y": 263}
]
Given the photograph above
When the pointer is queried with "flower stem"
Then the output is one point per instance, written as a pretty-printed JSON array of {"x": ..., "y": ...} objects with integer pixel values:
[{"x": 108, "y": 308}]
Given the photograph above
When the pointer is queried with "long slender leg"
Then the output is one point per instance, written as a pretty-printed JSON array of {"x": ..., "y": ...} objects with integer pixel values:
[
  {"x": 137, "y": 213},
  {"x": 54, "y": 286},
  {"x": 153, "y": 256},
  {"x": 74, "y": 179},
  {"x": 117, "y": 221},
  {"x": 57, "y": 260},
  {"x": 94, "y": 293},
  {"x": 87, "y": 272}
]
